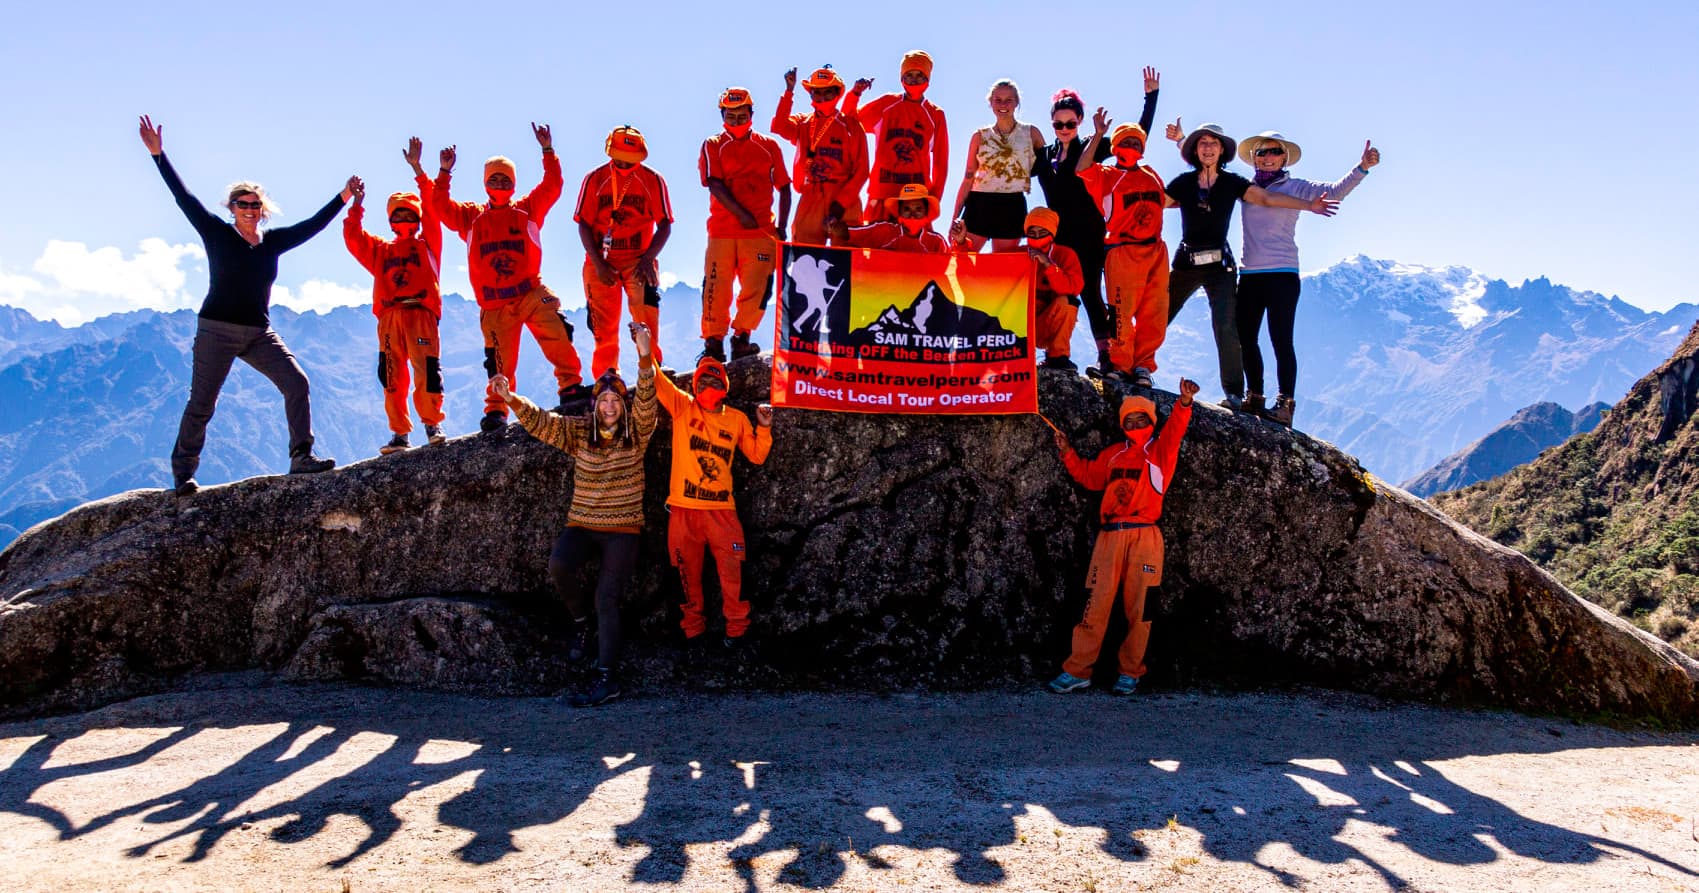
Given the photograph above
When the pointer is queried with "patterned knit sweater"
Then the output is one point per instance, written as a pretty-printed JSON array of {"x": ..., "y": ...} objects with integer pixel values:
[{"x": 607, "y": 482}]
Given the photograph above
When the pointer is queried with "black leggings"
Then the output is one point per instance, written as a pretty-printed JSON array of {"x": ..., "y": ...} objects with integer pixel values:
[
  {"x": 1276, "y": 293},
  {"x": 573, "y": 548},
  {"x": 1090, "y": 250}
]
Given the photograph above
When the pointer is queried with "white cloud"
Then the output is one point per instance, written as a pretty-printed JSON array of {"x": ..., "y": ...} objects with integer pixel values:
[
  {"x": 668, "y": 280},
  {"x": 321, "y": 296},
  {"x": 72, "y": 284}
]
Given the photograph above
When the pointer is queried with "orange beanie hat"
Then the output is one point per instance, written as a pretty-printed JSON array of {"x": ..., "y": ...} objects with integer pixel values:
[
  {"x": 917, "y": 60},
  {"x": 1043, "y": 217},
  {"x": 404, "y": 200},
  {"x": 501, "y": 164}
]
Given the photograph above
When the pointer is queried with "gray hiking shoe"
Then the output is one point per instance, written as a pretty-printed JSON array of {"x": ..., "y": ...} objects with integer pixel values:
[
  {"x": 434, "y": 435},
  {"x": 306, "y": 463},
  {"x": 396, "y": 444}
]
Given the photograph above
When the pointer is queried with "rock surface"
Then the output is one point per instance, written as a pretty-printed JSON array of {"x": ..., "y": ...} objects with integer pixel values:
[{"x": 884, "y": 551}]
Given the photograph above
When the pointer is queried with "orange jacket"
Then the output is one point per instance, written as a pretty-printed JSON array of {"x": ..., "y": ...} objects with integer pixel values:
[
  {"x": 911, "y": 143},
  {"x": 643, "y": 202},
  {"x": 1130, "y": 201},
  {"x": 1064, "y": 277},
  {"x": 752, "y": 168},
  {"x": 404, "y": 271},
  {"x": 831, "y": 153},
  {"x": 1133, "y": 478},
  {"x": 504, "y": 243},
  {"x": 892, "y": 237},
  {"x": 702, "y": 448}
]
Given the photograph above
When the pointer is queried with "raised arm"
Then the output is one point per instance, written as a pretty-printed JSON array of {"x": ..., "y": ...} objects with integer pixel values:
[
  {"x": 566, "y": 433},
  {"x": 199, "y": 217},
  {"x": 1100, "y": 122},
  {"x": 756, "y": 441},
  {"x": 430, "y": 223},
  {"x": 363, "y": 245},
  {"x": 1321, "y": 204},
  {"x": 457, "y": 216},
  {"x": 783, "y": 124},
  {"x": 1152, "y": 86},
  {"x": 543, "y": 196},
  {"x": 290, "y": 236}
]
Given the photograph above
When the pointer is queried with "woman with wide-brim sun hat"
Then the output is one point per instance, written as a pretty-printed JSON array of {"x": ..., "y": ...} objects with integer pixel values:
[
  {"x": 235, "y": 319},
  {"x": 992, "y": 199},
  {"x": 1206, "y": 196},
  {"x": 1268, "y": 273}
]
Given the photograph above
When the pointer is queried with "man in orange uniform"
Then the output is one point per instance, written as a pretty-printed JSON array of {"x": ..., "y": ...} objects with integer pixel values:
[
  {"x": 910, "y": 139},
  {"x": 406, "y": 301},
  {"x": 624, "y": 219},
  {"x": 1126, "y": 560},
  {"x": 831, "y": 156},
  {"x": 1131, "y": 197},
  {"x": 913, "y": 209},
  {"x": 700, "y": 502},
  {"x": 504, "y": 253},
  {"x": 742, "y": 170},
  {"x": 1060, "y": 279}
]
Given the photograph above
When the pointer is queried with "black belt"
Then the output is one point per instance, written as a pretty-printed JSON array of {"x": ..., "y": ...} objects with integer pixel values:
[
  {"x": 1124, "y": 525},
  {"x": 1130, "y": 241}
]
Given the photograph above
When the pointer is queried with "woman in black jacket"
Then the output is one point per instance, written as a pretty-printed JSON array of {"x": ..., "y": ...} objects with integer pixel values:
[{"x": 235, "y": 318}]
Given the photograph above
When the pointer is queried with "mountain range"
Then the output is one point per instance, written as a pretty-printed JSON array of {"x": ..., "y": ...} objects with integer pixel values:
[
  {"x": 1518, "y": 441},
  {"x": 1400, "y": 365}
]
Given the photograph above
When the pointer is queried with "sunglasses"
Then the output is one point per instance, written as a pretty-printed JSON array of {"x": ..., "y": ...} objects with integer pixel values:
[
  {"x": 1271, "y": 150},
  {"x": 249, "y": 206},
  {"x": 1065, "y": 125}
]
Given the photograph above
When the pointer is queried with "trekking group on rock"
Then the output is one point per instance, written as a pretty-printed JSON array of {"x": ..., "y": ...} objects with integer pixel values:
[{"x": 1097, "y": 241}]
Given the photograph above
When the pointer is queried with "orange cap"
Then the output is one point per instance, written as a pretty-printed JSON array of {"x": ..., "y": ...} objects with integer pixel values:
[
  {"x": 1130, "y": 405},
  {"x": 1043, "y": 217},
  {"x": 1122, "y": 130},
  {"x": 626, "y": 143},
  {"x": 917, "y": 60},
  {"x": 404, "y": 200},
  {"x": 735, "y": 97},
  {"x": 822, "y": 78},
  {"x": 911, "y": 192},
  {"x": 500, "y": 164}
]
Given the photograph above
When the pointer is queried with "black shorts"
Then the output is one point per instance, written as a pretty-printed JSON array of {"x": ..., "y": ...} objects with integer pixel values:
[{"x": 995, "y": 215}]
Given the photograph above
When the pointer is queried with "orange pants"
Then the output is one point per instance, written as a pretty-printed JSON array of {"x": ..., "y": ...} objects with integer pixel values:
[
  {"x": 539, "y": 311},
  {"x": 809, "y": 223},
  {"x": 747, "y": 262},
  {"x": 601, "y": 302},
  {"x": 1135, "y": 280},
  {"x": 1124, "y": 563},
  {"x": 408, "y": 348},
  {"x": 718, "y": 531},
  {"x": 1056, "y": 316}
]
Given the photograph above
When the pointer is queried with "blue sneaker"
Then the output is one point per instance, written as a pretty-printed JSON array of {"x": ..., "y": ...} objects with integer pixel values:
[
  {"x": 1125, "y": 685},
  {"x": 1067, "y": 682}
]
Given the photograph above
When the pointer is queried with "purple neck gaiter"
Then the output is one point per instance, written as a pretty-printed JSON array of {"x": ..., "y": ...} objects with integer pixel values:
[{"x": 1264, "y": 178}]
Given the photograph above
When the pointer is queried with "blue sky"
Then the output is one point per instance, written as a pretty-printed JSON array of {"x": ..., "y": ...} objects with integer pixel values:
[{"x": 1519, "y": 140}]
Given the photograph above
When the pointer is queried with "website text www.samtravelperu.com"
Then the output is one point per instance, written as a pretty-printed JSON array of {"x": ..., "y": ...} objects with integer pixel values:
[{"x": 845, "y": 376}]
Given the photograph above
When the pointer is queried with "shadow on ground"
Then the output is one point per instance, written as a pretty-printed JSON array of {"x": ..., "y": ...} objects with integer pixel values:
[{"x": 824, "y": 779}]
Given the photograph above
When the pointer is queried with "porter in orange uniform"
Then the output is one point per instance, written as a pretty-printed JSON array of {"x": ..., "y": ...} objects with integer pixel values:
[
  {"x": 1060, "y": 280},
  {"x": 624, "y": 219},
  {"x": 504, "y": 252},
  {"x": 914, "y": 210},
  {"x": 742, "y": 171},
  {"x": 704, "y": 517},
  {"x": 407, "y": 303},
  {"x": 1126, "y": 560},
  {"x": 831, "y": 156},
  {"x": 910, "y": 138},
  {"x": 1131, "y": 198}
]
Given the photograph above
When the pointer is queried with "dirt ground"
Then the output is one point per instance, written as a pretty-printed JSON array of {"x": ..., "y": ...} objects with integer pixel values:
[{"x": 245, "y": 784}]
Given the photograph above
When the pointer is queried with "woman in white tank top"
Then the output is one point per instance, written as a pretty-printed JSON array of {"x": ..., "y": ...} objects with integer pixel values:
[{"x": 992, "y": 197}]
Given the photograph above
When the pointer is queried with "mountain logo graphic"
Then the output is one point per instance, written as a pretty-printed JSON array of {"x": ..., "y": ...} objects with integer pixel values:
[{"x": 933, "y": 320}]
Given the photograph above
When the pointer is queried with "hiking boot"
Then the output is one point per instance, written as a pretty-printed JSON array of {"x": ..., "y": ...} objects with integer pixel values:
[
  {"x": 434, "y": 435},
  {"x": 743, "y": 347},
  {"x": 574, "y": 399},
  {"x": 305, "y": 462},
  {"x": 396, "y": 444},
  {"x": 578, "y": 644},
  {"x": 1062, "y": 362},
  {"x": 1255, "y": 403},
  {"x": 738, "y": 648},
  {"x": 493, "y": 421},
  {"x": 1067, "y": 682},
  {"x": 186, "y": 487},
  {"x": 1281, "y": 414},
  {"x": 1233, "y": 402},
  {"x": 713, "y": 347},
  {"x": 1125, "y": 685},
  {"x": 1141, "y": 378},
  {"x": 603, "y": 689},
  {"x": 1118, "y": 376}
]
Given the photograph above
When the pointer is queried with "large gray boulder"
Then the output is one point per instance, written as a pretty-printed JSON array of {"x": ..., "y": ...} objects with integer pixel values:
[{"x": 884, "y": 551}]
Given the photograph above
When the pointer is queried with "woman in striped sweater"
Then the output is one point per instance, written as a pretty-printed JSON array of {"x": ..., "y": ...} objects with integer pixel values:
[{"x": 606, "y": 516}]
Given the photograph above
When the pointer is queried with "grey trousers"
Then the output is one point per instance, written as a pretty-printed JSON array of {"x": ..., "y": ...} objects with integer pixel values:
[
  {"x": 217, "y": 346},
  {"x": 1217, "y": 281}
]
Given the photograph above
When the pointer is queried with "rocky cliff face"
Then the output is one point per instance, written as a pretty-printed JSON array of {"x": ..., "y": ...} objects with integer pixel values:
[
  {"x": 884, "y": 551},
  {"x": 1614, "y": 513}
]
